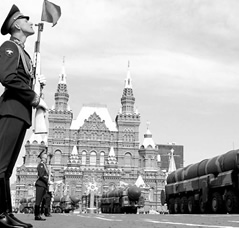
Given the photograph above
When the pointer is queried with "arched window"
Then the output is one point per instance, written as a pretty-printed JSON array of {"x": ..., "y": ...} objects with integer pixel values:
[
  {"x": 112, "y": 137},
  {"x": 151, "y": 195},
  {"x": 72, "y": 188},
  {"x": 93, "y": 158},
  {"x": 83, "y": 158},
  {"x": 57, "y": 157},
  {"x": 102, "y": 158},
  {"x": 127, "y": 159}
]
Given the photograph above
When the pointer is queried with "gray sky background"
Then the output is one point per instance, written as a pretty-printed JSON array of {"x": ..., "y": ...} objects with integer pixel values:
[{"x": 183, "y": 61}]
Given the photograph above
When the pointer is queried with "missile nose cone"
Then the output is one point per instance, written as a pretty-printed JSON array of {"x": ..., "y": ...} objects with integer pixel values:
[{"x": 134, "y": 192}]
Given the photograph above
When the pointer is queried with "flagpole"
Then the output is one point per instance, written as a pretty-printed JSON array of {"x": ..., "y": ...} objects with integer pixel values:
[
  {"x": 40, "y": 121},
  {"x": 37, "y": 60}
]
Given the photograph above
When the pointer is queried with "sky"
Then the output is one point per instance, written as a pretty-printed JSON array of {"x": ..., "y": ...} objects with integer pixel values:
[{"x": 183, "y": 61}]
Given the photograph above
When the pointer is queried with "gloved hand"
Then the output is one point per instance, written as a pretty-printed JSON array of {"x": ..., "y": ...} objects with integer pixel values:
[{"x": 42, "y": 104}]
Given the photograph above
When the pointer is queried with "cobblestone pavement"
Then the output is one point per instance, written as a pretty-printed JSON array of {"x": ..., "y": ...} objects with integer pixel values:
[{"x": 132, "y": 221}]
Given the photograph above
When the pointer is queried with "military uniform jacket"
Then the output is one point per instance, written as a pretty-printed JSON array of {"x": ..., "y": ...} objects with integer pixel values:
[
  {"x": 18, "y": 97},
  {"x": 43, "y": 175}
]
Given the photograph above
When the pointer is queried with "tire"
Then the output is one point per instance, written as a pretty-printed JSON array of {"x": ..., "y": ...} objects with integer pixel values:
[
  {"x": 231, "y": 202},
  {"x": 184, "y": 205},
  {"x": 203, "y": 207},
  {"x": 30, "y": 210},
  {"x": 191, "y": 205},
  {"x": 25, "y": 211},
  {"x": 177, "y": 205},
  {"x": 58, "y": 210},
  {"x": 216, "y": 203},
  {"x": 171, "y": 206}
]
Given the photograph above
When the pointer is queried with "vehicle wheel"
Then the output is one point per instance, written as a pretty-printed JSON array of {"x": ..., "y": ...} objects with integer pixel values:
[
  {"x": 191, "y": 205},
  {"x": 30, "y": 211},
  {"x": 184, "y": 205},
  {"x": 202, "y": 206},
  {"x": 25, "y": 211},
  {"x": 58, "y": 210},
  {"x": 177, "y": 205},
  {"x": 216, "y": 203},
  {"x": 231, "y": 202},
  {"x": 171, "y": 206}
]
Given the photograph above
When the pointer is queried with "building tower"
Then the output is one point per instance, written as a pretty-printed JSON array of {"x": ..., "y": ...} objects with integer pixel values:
[
  {"x": 128, "y": 121},
  {"x": 148, "y": 160},
  {"x": 60, "y": 118}
]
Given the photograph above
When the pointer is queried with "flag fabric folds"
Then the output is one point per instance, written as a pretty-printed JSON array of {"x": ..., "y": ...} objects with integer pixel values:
[{"x": 50, "y": 12}]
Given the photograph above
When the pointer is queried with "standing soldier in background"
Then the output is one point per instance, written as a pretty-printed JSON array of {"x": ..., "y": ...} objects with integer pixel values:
[
  {"x": 16, "y": 103},
  {"x": 41, "y": 184}
]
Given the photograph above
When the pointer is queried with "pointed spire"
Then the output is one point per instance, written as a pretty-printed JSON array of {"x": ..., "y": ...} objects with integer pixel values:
[
  {"x": 62, "y": 76},
  {"x": 111, "y": 157},
  {"x": 172, "y": 165},
  {"x": 148, "y": 140},
  {"x": 74, "y": 151},
  {"x": 128, "y": 80},
  {"x": 136, "y": 111},
  {"x": 148, "y": 131},
  {"x": 112, "y": 152},
  {"x": 74, "y": 157},
  {"x": 140, "y": 182}
]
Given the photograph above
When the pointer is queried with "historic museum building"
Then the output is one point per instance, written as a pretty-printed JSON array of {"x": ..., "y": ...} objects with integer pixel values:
[{"x": 95, "y": 153}]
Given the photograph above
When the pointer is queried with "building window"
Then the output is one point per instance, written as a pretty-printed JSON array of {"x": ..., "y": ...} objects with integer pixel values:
[
  {"x": 83, "y": 158},
  {"x": 151, "y": 195},
  {"x": 102, "y": 158},
  {"x": 57, "y": 157},
  {"x": 127, "y": 159},
  {"x": 93, "y": 158}
]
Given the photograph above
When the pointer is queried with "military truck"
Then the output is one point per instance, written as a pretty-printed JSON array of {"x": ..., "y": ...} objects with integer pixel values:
[
  {"x": 209, "y": 186},
  {"x": 65, "y": 204},
  {"x": 56, "y": 207},
  {"x": 119, "y": 200},
  {"x": 27, "y": 205}
]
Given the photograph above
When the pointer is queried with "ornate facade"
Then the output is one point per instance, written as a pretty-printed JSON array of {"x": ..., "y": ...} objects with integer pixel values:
[{"x": 92, "y": 152}]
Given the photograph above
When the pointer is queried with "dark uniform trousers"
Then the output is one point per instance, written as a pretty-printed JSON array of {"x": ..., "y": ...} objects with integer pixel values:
[{"x": 10, "y": 146}]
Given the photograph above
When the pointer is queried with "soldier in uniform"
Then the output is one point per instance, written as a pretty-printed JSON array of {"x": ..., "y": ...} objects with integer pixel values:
[
  {"x": 16, "y": 103},
  {"x": 41, "y": 184}
]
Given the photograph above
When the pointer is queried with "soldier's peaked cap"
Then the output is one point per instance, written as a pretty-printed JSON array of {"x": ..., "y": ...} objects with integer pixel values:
[
  {"x": 41, "y": 153},
  {"x": 12, "y": 16}
]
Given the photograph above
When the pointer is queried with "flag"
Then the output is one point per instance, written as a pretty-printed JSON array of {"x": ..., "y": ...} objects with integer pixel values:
[{"x": 50, "y": 12}]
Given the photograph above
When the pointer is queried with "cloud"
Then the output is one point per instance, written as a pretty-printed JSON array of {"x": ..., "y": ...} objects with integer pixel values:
[{"x": 183, "y": 61}]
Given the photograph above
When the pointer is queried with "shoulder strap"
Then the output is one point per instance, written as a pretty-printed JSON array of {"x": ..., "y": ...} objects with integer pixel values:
[
  {"x": 18, "y": 51},
  {"x": 23, "y": 59}
]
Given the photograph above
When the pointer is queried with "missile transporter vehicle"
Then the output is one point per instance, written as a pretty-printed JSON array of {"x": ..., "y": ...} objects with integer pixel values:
[
  {"x": 209, "y": 186},
  {"x": 27, "y": 205},
  {"x": 65, "y": 204},
  {"x": 120, "y": 200}
]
